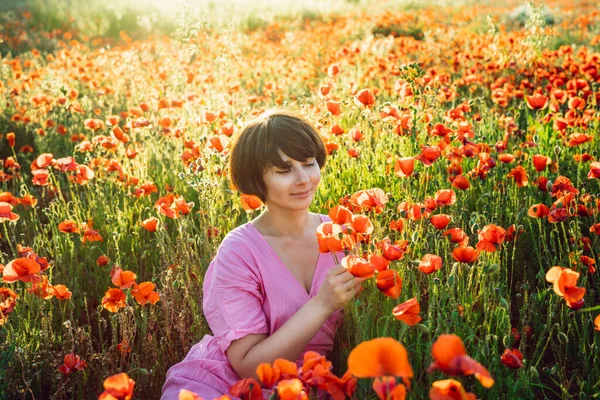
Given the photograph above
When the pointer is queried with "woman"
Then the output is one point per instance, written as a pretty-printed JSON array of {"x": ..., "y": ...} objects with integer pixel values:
[{"x": 268, "y": 293}]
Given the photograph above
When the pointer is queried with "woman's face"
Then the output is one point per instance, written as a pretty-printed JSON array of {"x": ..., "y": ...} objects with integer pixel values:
[{"x": 292, "y": 188}]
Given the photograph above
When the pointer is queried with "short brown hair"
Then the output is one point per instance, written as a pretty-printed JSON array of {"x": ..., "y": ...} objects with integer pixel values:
[{"x": 254, "y": 150}]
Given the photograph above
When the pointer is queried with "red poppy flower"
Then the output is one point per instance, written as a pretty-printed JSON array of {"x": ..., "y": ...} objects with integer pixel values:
[
  {"x": 332, "y": 238},
  {"x": 340, "y": 215},
  {"x": 512, "y": 358},
  {"x": 364, "y": 98},
  {"x": 519, "y": 174},
  {"x": 392, "y": 251},
  {"x": 357, "y": 266},
  {"x": 389, "y": 283},
  {"x": 61, "y": 292},
  {"x": 114, "y": 299},
  {"x": 538, "y": 211},
  {"x": 22, "y": 269},
  {"x": 370, "y": 199},
  {"x": 457, "y": 235},
  {"x": 490, "y": 238},
  {"x": 72, "y": 362},
  {"x": 380, "y": 263},
  {"x": 460, "y": 182},
  {"x": 250, "y": 202},
  {"x": 291, "y": 389},
  {"x": 8, "y": 301},
  {"x": 540, "y": 162},
  {"x": 537, "y": 101},
  {"x": 575, "y": 139},
  {"x": 440, "y": 221},
  {"x": 451, "y": 358},
  {"x": 68, "y": 226},
  {"x": 429, "y": 154},
  {"x": 465, "y": 254},
  {"x": 123, "y": 279},
  {"x": 6, "y": 213},
  {"x": 445, "y": 197},
  {"x": 408, "y": 312},
  {"x": 430, "y": 263},
  {"x": 333, "y": 107},
  {"x": 594, "y": 170},
  {"x": 404, "y": 167}
]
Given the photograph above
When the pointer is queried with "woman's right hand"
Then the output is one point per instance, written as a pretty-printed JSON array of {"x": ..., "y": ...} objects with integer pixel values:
[{"x": 338, "y": 288}]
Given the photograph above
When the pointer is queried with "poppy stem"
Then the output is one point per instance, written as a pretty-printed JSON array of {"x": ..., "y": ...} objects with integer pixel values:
[
  {"x": 590, "y": 309},
  {"x": 335, "y": 259}
]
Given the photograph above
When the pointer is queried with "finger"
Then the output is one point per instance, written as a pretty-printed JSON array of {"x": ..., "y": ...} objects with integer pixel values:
[{"x": 337, "y": 270}]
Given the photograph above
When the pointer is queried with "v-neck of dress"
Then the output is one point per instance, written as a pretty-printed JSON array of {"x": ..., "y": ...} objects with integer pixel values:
[{"x": 312, "y": 281}]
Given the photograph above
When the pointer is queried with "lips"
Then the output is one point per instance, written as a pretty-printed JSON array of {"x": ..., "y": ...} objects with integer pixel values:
[{"x": 301, "y": 193}]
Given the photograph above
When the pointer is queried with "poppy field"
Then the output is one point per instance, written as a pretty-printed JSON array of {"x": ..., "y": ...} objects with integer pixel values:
[{"x": 463, "y": 179}]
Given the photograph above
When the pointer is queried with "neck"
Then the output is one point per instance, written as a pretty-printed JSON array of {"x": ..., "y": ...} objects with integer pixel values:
[{"x": 275, "y": 222}]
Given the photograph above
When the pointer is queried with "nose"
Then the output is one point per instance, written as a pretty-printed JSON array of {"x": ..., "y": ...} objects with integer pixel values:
[{"x": 301, "y": 176}]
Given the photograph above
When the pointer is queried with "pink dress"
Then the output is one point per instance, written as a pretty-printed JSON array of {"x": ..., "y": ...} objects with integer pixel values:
[{"x": 247, "y": 290}]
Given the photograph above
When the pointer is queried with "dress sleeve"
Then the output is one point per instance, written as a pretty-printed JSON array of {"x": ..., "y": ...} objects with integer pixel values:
[{"x": 233, "y": 295}]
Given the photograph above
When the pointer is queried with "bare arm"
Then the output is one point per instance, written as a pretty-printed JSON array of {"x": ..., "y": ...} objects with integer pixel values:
[{"x": 289, "y": 341}]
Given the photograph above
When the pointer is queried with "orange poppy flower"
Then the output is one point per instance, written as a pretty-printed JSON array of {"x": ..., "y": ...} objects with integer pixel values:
[
  {"x": 250, "y": 202},
  {"x": 597, "y": 323},
  {"x": 357, "y": 266},
  {"x": 6, "y": 213},
  {"x": 119, "y": 386},
  {"x": 8, "y": 301},
  {"x": 386, "y": 388},
  {"x": 537, "y": 101},
  {"x": 332, "y": 238},
  {"x": 575, "y": 139},
  {"x": 287, "y": 369},
  {"x": 538, "y": 211},
  {"x": 449, "y": 389},
  {"x": 364, "y": 98},
  {"x": 10, "y": 137},
  {"x": 392, "y": 251},
  {"x": 512, "y": 358},
  {"x": 333, "y": 107},
  {"x": 380, "y": 357},
  {"x": 408, "y": 312},
  {"x": 362, "y": 228},
  {"x": 380, "y": 263},
  {"x": 460, "y": 182},
  {"x": 465, "y": 254},
  {"x": 594, "y": 170},
  {"x": 445, "y": 197},
  {"x": 340, "y": 215},
  {"x": 144, "y": 293},
  {"x": 564, "y": 282},
  {"x": 22, "y": 269},
  {"x": 40, "y": 177},
  {"x": 430, "y": 263},
  {"x": 506, "y": 158},
  {"x": 540, "y": 162},
  {"x": 114, "y": 299},
  {"x": 268, "y": 374},
  {"x": 389, "y": 283},
  {"x": 123, "y": 279},
  {"x": 246, "y": 389},
  {"x": 7, "y": 197},
  {"x": 291, "y": 389},
  {"x": 185, "y": 394},
  {"x": 490, "y": 238},
  {"x": 404, "y": 167},
  {"x": 90, "y": 235},
  {"x": 451, "y": 358},
  {"x": 519, "y": 174},
  {"x": 68, "y": 226},
  {"x": 42, "y": 289},
  {"x": 28, "y": 200},
  {"x": 61, "y": 292},
  {"x": 457, "y": 235},
  {"x": 370, "y": 199},
  {"x": 83, "y": 174},
  {"x": 150, "y": 224},
  {"x": 440, "y": 221}
]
